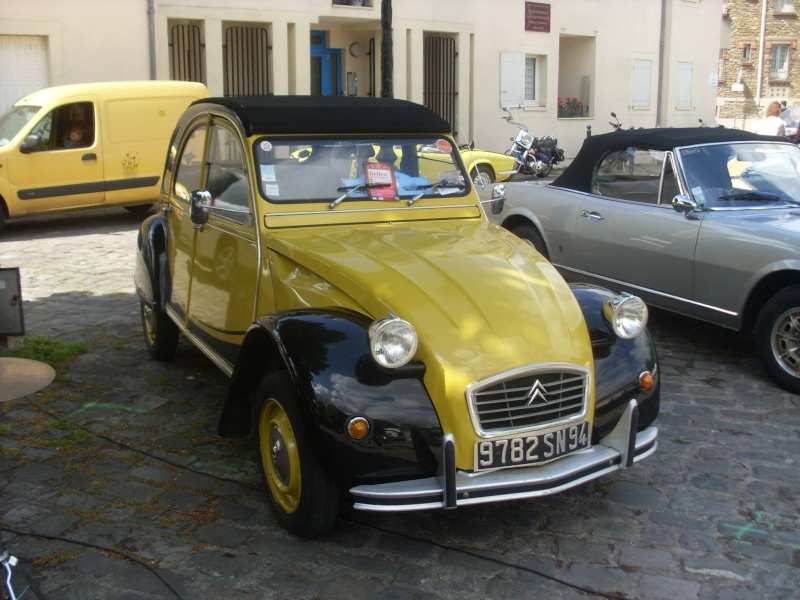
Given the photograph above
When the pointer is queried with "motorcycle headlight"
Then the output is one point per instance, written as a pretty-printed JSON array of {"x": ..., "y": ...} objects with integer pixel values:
[
  {"x": 527, "y": 140},
  {"x": 392, "y": 342},
  {"x": 627, "y": 315}
]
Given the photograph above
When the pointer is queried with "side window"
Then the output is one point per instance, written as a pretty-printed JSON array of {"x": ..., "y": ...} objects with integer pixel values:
[
  {"x": 670, "y": 187},
  {"x": 227, "y": 180},
  {"x": 632, "y": 174},
  {"x": 190, "y": 164},
  {"x": 68, "y": 126}
]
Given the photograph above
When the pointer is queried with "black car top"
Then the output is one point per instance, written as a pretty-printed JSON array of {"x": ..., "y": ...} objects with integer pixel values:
[
  {"x": 578, "y": 175},
  {"x": 330, "y": 115}
]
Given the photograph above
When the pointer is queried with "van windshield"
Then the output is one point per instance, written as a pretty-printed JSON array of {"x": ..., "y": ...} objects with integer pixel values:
[{"x": 14, "y": 120}]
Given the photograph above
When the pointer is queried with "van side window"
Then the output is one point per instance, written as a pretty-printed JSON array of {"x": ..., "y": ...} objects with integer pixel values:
[
  {"x": 190, "y": 164},
  {"x": 68, "y": 126}
]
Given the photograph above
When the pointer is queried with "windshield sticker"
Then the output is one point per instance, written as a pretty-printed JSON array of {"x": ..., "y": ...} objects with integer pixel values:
[
  {"x": 443, "y": 146},
  {"x": 380, "y": 181},
  {"x": 271, "y": 190},
  {"x": 267, "y": 171},
  {"x": 266, "y": 146},
  {"x": 450, "y": 182},
  {"x": 691, "y": 151}
]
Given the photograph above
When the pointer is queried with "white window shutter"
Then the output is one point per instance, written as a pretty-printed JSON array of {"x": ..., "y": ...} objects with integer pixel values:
[
  {"x": 512, "y": 78},
  {"x": 641, "y": 82},
  {"x": 684, "y": 98}
]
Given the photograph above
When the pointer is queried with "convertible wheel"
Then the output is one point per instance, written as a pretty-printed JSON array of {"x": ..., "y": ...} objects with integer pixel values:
[
  {"x": 482, "y": 175},
  {"x": 528, "y": 234},
  {"x": 303, "y": 497},
  {"x": 160, "y": 333},
  {"x": 778, "y": 337}
]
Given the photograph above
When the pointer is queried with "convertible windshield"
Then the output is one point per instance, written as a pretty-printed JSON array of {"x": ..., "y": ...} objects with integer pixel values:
[
  {"x": 344, "y": 169},
  {"x": 742, "y": 174},
  {"x": 13, "y": 120}
]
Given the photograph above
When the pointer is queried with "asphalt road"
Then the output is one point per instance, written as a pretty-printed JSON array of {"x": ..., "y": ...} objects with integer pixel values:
[{"x": 114, "y": 485}]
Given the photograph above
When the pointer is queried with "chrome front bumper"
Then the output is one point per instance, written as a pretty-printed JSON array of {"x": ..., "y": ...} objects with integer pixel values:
[{"x": 452, "y": 488}]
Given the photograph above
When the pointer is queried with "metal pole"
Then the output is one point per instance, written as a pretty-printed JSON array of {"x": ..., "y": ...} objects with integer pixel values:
[{"x": 386, "y": 49}]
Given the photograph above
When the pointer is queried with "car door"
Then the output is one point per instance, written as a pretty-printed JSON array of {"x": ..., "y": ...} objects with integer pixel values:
[
  {"x": 627, "y": 230},
  {"x": 188, "y": 167},
  {"x": 225, "y": 268},
  {"x": 63, "y": 170}
]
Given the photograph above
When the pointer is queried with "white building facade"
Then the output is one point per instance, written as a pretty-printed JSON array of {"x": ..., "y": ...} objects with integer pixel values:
[{"x": 562, "y": 64}]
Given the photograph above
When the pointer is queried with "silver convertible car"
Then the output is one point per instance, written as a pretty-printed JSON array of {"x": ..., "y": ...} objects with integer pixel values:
[{"x": 703, "y": 222}]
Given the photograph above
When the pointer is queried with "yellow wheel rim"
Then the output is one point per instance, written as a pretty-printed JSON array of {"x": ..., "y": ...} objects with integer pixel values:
[
  {"x": 149, "y": 318},
  {"x": 279, "y": 456}
]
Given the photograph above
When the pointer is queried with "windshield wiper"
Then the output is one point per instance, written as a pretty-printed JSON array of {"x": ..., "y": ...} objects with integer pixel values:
[
  {"x": 756, "y": 196},
  {"x": 432, "y": 186},
  {"x": 352, "y": 189}
]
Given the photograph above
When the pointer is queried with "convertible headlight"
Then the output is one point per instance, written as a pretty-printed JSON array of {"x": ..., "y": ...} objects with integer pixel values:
[
  {"x": 627, "y": 315},
  {"x": 392, "y": 342}
]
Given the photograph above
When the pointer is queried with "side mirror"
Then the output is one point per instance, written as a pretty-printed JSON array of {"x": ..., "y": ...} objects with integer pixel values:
[
  {"x": 198, "y": 207},
  {"x": 498, "y": 199},
  {"x": 31, "y": 143},
  {"x": 682, "y": 204}
]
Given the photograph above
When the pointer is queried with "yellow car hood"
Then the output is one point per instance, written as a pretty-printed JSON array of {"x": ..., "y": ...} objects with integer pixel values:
[{"x": 481, "y": 300}]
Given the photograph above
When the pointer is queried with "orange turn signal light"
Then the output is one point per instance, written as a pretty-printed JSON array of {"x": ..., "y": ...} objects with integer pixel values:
[
  {"x": 646, "y": 380},
  {"x": 358, "y": 428}
]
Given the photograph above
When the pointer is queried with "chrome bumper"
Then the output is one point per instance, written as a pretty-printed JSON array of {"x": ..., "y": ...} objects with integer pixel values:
[{"x": 452, "y": 488}]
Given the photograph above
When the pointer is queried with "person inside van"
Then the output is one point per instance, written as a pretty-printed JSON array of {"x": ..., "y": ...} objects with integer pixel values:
[{"x": 77, "y": 137}]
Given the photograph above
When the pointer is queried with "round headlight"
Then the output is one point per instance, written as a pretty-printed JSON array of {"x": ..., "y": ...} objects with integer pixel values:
[
  {"x": 627, "y": 315},
  {"x": 392, "y": 341}
]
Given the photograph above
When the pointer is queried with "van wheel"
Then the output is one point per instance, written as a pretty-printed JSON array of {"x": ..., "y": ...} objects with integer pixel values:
[
  {"x": 304, "y": 498},
  {"x": 2, "y": 216},
  {"x": 776, "y": 335},
  {"x": 160, "y": 333},
  {"x": 138, "y": 208}
]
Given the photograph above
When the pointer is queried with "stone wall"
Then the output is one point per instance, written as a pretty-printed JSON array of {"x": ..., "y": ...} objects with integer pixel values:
[{"x": 745, "y": 23}]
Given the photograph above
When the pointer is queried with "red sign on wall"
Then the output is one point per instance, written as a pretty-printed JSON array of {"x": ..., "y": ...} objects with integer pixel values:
[{"x": 537, "y": 17}]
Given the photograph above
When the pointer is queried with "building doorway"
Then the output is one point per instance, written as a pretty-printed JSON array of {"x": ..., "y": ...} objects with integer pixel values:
[{"x": 326, "y": 66}]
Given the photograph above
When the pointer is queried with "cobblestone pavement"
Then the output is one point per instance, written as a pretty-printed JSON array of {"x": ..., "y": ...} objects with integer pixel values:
[{"x": 119, "y": 453}]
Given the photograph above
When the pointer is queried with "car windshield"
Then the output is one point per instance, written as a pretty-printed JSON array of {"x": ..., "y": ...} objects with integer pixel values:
[
  {"x": 343, "y": 169},
  {"x": 747, "y": 174},
  {"x": 13, "y": 120}
]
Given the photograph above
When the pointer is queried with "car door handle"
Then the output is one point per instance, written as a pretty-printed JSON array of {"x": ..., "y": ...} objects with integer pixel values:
[
  {"x": 591, "y": 215},
  {"x": 89, "y": 156}
]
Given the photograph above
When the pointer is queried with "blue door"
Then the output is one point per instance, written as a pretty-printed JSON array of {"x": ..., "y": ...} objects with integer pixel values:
[{"x": 326, "y": 66}]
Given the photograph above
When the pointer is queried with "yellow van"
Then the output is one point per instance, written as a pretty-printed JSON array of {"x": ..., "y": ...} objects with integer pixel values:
[{"x": 88, "y": 145}]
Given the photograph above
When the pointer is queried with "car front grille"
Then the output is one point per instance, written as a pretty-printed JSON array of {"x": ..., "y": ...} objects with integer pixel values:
[{"x": 528, "y": 399}]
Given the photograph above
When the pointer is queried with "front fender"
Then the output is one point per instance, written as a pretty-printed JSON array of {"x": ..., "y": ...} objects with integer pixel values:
[
  {"x": 326, "y": 353},
  {"x": 151, "y": 268},
  {"x": 617, "y": 365}
]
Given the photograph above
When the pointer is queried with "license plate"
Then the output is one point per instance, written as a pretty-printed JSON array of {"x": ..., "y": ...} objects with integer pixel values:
[{"x": 531, "y": 449}]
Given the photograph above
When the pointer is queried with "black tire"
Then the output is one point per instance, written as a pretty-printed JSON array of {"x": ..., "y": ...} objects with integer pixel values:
[
  {"x": 160, "y": 333},
  {"x": 2, "y": 216},
  {"x": 529, "y": 234},
  {"x": 544, "y": 172},
  {"x": 138, "y": 208},
  {"x": 304, "y": 498},
  {"x": 482, "y": 175},
  {"x": 776, "y": 336}
]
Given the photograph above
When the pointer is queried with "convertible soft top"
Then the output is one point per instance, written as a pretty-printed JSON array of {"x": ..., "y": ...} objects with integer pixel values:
[
  {"x": 330, "y": 115},
  {"x": 578, "y": 175}
]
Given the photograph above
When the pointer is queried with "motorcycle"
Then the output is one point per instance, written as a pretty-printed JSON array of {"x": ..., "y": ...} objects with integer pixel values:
[{"x": 532, "y": 154}]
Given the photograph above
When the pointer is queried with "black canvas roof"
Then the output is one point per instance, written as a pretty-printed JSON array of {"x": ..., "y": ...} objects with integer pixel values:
[
  {"x": 330, "y": 115},
  {"x": 578, "y": 175}
]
